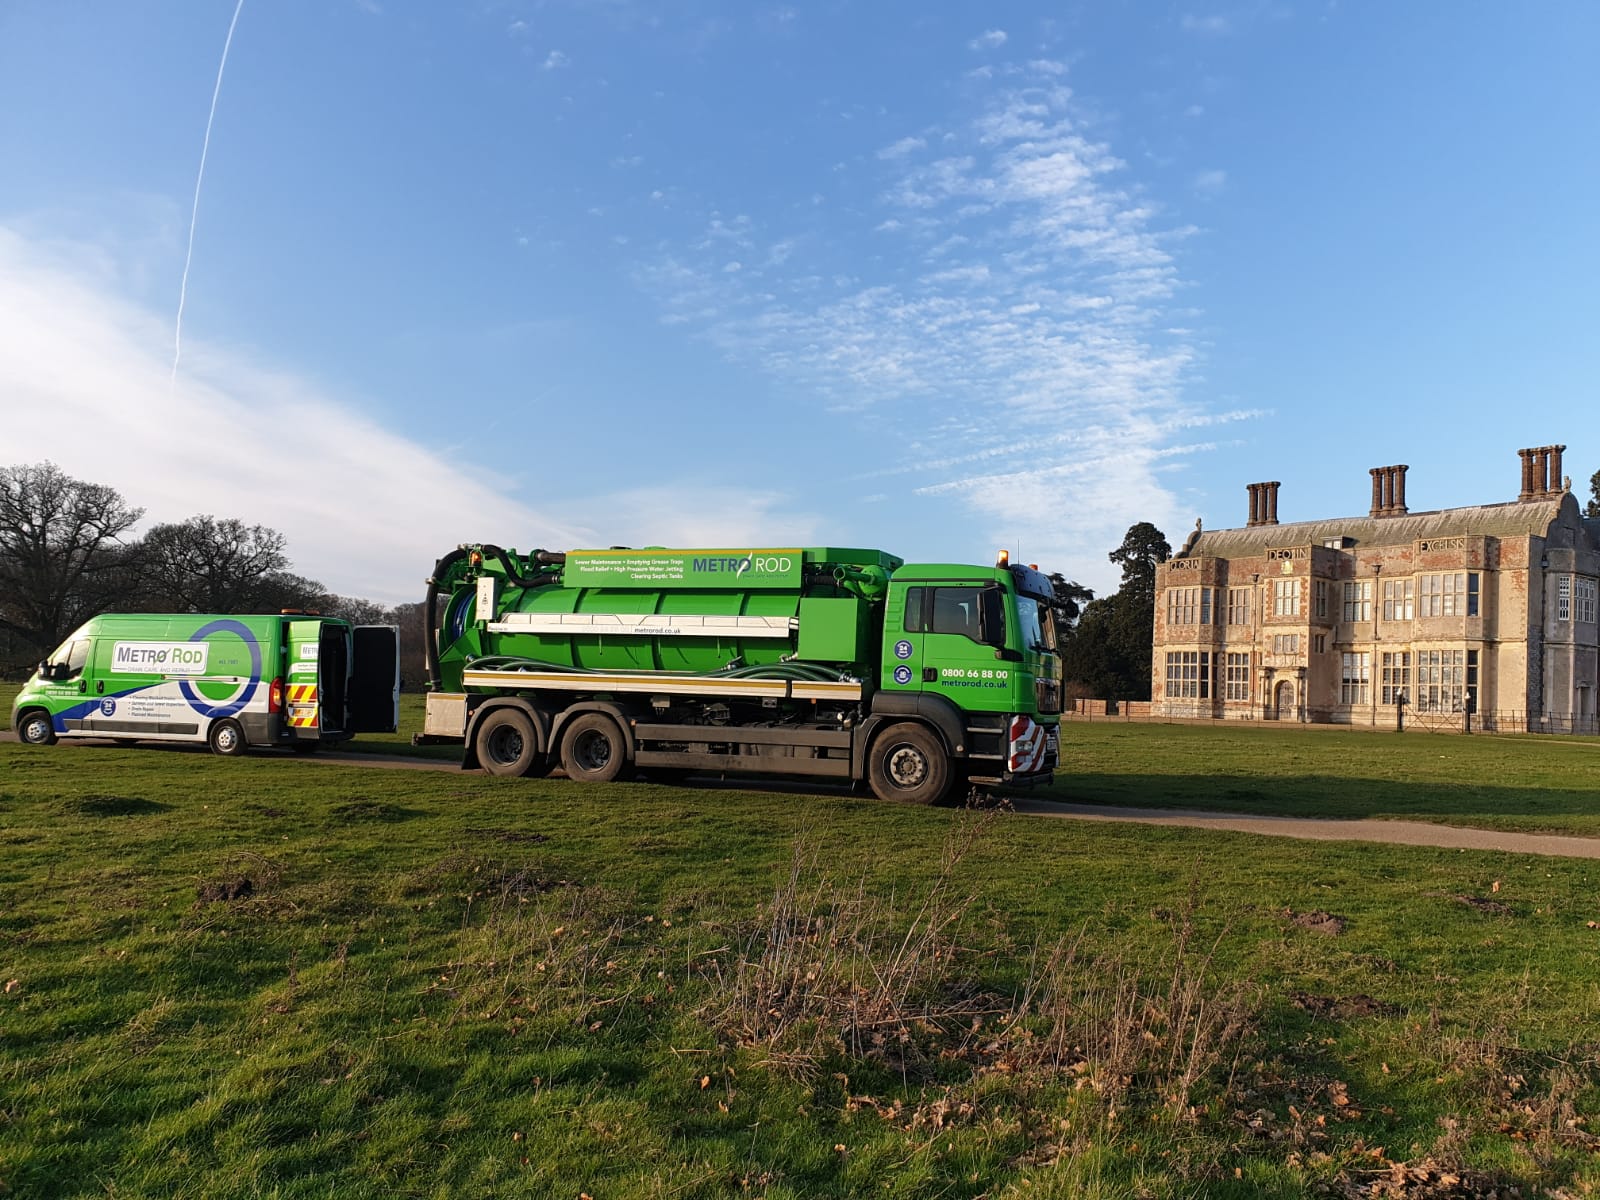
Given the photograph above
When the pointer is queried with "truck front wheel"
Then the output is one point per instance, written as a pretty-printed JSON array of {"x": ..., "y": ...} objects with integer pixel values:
[
  {"x": 508, "y": 744},
  {"x": 35, "y": 729},
  {"x": 593, "y": 749},
  {"x": 909, "y": 765}
]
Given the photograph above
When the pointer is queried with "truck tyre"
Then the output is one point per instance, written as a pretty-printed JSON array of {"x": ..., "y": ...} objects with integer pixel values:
[
  {"x": 35, "y": 729},
  {"x": 593, "y": 749},
  {"x": 226, "y": 738},
  {"x": 508, "y": 744},
  {"x": 908, "y": 764}
]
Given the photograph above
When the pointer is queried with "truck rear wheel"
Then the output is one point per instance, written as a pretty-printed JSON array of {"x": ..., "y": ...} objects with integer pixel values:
[
  {"x": 34, "y": 728},
  {"x": 593, "y": 749},
  {"x": 908, "y": 764},
  {"x": 508, "y": 744}
]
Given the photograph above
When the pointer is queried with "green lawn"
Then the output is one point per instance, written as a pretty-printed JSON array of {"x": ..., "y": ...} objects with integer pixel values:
[
  {"x": 257, "y": 977},
  {"x": 1525, "y": 783}
]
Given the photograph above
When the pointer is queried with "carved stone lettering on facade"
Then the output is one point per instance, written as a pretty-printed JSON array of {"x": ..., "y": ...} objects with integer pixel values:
[
  {"x": 1445, "y": 543},
  {"x": 1183, "y": 564},
  {"x": 1289, "y": 552}
]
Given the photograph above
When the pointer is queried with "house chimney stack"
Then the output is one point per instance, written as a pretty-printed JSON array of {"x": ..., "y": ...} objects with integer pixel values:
[
  {"x": 1541, "y": 473},
  {"x": 1263, "y": 503},
  {"x": 1389, "y": 491}
]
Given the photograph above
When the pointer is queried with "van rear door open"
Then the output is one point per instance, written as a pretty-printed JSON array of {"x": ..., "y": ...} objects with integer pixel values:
[
  {"x": 302, "y": 694},
  {"x": 375, "y": 680}
]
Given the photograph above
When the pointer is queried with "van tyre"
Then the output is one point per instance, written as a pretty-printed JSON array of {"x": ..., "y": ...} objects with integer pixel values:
[
  {"x": 593, "y": 749},
  {"x": 508, "y": 744},
  {"x": 226, "y": 738},
  {"x": 909, "y": 765},
  {"x": 35, "y": 729}
]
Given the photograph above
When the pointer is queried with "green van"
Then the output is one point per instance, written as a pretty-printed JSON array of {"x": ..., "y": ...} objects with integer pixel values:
[{"x": 232, "y": 682}]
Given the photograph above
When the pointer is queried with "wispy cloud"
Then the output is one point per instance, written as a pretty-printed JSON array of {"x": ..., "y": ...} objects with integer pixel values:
[
  {"x": 554, "y": 61},
  {"x": 1210, "y": 183},
  {"x": 1212, "y": 24},
  {"x": 236, "y": 438},
  {"x": 991, "y": 39},
  {"x": 1028, "y": 350}
]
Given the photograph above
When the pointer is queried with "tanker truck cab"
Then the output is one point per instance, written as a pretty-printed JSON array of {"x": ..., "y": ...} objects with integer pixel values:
[
  {"x": 228, "y": 681},
  {"x": 972, "y": 651}
]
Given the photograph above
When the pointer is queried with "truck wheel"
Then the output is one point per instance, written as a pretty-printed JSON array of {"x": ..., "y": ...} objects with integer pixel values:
[
  {"x": 908, "y": 764},
  {"x": 593, "y": 749},
  {"x": 226, "y": 739},
  {"x": 508, "y": 744},
  {"x": 35, "y": 729}
]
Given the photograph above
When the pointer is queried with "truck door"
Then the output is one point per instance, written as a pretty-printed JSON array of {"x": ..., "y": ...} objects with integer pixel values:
[{"x": 374, "y": 698}]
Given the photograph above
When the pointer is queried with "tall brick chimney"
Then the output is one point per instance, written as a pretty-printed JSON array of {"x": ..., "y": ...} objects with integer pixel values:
[
  {"x": 1541, "y": 473},
  {"x": 1389, "y": 491},
  {"x": 1263, "y": 503}
]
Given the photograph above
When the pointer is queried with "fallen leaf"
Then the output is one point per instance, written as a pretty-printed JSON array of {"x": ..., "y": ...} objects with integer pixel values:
[{"x": 705, "y": 1082}]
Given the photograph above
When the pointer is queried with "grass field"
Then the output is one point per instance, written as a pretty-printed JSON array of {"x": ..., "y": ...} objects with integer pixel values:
[{"x": 290, "y": 978}]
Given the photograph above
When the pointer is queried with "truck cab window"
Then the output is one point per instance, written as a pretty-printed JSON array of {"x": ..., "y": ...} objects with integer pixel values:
[{"x": 944, "y": 610}]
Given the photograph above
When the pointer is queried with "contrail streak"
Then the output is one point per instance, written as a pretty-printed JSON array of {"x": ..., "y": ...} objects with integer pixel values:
[{"x": 194, "y": 214}]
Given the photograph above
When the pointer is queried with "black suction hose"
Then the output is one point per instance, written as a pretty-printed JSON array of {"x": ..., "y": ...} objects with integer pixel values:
[{"x": 430, "y": 641}]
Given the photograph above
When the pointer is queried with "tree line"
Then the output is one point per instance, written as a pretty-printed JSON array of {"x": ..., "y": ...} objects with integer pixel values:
[{"x": 68, "y": 550}]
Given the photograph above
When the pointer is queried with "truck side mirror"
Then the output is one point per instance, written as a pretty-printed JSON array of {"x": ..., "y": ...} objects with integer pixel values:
[{"x": 992, "y": 615}]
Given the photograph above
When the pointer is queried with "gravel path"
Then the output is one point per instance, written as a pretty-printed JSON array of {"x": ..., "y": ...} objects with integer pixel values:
[{"x": 1324, "y": 829}]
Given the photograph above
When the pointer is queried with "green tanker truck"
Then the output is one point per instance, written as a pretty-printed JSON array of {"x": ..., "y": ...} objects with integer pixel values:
[{"x": 923, "y": 680}]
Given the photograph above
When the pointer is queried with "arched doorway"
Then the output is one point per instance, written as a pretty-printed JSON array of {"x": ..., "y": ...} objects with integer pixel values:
[{"x": 1283, "y": 701}]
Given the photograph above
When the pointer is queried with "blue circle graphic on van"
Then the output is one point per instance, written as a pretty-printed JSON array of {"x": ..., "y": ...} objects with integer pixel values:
[
  {"x": 108, "y": 707},
  {"x": 207, "y": 706},
  {"x": 902, "y": 674},
  {"x": 903, "y": 649}
]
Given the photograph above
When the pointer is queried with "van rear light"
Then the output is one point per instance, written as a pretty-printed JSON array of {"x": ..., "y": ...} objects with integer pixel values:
[{"x": 275, "y": 696}]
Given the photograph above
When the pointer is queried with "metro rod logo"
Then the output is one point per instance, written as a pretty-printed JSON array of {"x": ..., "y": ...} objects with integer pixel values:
[
  {"x": 159, "y": 658},
  {"x": 749, "y": 564}
]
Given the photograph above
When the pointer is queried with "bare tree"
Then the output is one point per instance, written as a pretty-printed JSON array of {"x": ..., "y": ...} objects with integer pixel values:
[
  {"x": 62, "y": 554},
  {"x": 209, "y": 565}
]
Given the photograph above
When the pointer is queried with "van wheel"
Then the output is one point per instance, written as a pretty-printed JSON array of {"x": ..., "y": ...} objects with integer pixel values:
[
  {"x": 908, "y": 764},
  {"x": 226, "y": 739},
  {"x": 593, "y": 749},
  {"x": 508, "y": 744},
  {"x": 35, "y": 729}
]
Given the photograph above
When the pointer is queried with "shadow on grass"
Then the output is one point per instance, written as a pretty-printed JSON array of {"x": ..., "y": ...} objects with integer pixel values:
[{"x": 113, "y": 806}]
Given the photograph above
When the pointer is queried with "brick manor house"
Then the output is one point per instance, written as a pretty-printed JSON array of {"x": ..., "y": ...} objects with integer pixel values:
[{"x": 1483, "y": 615}]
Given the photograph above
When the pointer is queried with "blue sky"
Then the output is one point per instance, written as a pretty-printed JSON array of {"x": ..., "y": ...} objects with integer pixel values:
[{"x": 593, "y": 273}]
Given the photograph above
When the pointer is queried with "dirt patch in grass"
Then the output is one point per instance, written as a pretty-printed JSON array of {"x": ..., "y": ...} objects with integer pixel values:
[
  {"x": 113, "y": 806},
  {"x": 1318, "y": 922},
  {"x": 240, "y": 887},
  {"x": 372, "y": 810},
  {"x": 1342, "y": 1008},
  {"x": 245, "y": 877},
  {"x": 1484, "y": 905},
  {"x": 509, "y": 835}
]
